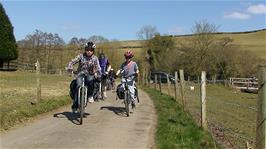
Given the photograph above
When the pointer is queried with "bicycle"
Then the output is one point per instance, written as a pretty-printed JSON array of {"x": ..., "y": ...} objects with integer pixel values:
[
  {"x": 127, "y": 95},
  {"x": 100, "y": 94},
  {"x": 112, "y": 83},
  {"x": 82, "y": 97},
  {"x": 136, "y": 92}
]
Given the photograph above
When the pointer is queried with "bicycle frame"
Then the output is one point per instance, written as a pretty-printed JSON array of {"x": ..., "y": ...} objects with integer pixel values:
[
  {"x": 82, "y": 87},
  {"x": 82, "y": 96},
  {"x": 127, "y": 94},
  {"x": 136, "y": 92},
  {"x": 100, "y": 92},
  {"x": 126, "y": 100}
]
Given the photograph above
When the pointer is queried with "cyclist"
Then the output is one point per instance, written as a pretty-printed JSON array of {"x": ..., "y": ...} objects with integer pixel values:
[
  {"x": 105, "y": 68},
  {"x": 112, "y": 77},
  {"x": 88, "y": 64},
  {"x": 127, "y": 70}
]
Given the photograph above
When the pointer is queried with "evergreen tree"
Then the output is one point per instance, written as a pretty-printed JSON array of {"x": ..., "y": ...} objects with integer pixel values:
[{"x": 8, "y": 47}]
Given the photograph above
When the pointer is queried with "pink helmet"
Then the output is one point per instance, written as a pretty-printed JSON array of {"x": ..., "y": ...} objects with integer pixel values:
[{"x": 128, "y": 54}]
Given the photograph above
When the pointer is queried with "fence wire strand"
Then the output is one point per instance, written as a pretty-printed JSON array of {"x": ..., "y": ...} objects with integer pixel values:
[{"x": 230, "y": 136}]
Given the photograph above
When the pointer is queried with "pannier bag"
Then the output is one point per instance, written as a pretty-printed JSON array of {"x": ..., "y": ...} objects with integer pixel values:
[
  {"x": 120, "y": 91},
  {"x": 72, "y": 87}
]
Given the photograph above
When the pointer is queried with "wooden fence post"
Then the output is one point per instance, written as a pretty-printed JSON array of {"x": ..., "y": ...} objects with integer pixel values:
[
  {"x": 203, "y": 101},
  {"x": 38, "y": 69},
  {"x": 155, "y": 81},
  {"x": 198, "y": 79},
  {"x": 146, "y": 79},
  {"x": 261, "y": 104},
  {"x": 160, "y": 83},
  {"x": 176, "y": 86},
  {"x": 149, "y": 79},
  {"x": 168, "y": 85},
  {"x": 182, "y": 88},
  {"x": 143, "y": 78}
]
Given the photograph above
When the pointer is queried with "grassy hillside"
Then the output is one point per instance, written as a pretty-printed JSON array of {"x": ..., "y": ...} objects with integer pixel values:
[
  {"x": 251, "y": 41},
  {"x": 255, "y": 42}
]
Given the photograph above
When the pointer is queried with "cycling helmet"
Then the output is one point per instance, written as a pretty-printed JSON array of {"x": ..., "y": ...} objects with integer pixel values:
[
  {"x": 90, "y": 46},
  {"x": 128, "y": 54},
  {"x": 102, "y": 56}
]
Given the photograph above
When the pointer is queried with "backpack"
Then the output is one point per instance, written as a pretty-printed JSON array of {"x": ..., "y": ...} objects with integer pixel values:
[{"x": 120, "y": 91}]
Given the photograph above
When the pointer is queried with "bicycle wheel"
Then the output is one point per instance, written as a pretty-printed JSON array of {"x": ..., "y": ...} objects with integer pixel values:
[
  {"x": 127, "y": 102},
  {"x": 82, "y": 104},
  {"x": 137, "y": 94},
  {"x": 102, "y": 92},
  {"x": 100, "y": 95},
  {"x": 113, "y": 86}
]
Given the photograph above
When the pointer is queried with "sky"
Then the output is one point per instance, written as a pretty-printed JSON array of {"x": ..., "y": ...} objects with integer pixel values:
[{"x": 121, "y": 20}]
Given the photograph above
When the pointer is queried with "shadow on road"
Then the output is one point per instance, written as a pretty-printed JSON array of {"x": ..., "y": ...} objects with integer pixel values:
[
  {"x": 73, "y": 117},
  {"x": 117, "y": 110}
]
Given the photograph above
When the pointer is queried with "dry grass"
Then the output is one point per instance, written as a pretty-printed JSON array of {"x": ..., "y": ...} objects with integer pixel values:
[
  {"x": 14, "y": 84},
  {"x": 18, "y": 90},
  {"x": 254, "y": 42}
]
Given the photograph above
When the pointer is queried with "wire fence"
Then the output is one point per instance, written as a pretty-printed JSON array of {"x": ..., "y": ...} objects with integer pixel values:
[
  {"x": 231, "y": 114},
  {"x": 20, "y": 87}
]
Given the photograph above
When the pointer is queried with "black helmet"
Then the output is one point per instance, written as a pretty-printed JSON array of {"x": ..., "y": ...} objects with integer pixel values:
[
  {"x": 90, "y": 46},
  {"x": 102, "y": 56}
]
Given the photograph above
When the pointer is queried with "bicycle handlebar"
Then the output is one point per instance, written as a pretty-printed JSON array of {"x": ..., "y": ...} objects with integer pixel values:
[
  {"x": 134, "y": 74},
  {"x": 71, "y": 71}
]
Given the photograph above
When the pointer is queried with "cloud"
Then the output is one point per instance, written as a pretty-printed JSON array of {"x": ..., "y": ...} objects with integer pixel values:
[
  {"x": 176, "y": 30},
  {"x": 257, "y": 9},
  {"x": 237, "y": 15}
]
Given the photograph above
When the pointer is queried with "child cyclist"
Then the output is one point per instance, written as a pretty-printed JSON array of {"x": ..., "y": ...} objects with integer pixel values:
[{"x": 129, "y": 69}]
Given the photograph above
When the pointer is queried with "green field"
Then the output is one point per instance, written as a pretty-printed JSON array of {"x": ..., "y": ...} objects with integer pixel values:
[{"x": 18, "y": 91}]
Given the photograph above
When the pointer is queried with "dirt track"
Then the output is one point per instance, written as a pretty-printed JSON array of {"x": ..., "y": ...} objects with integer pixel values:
[{"x": 106, "y": 126}]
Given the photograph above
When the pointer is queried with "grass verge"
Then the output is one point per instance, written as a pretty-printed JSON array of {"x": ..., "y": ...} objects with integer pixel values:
[
  {"x": 9, "y": 118},
  {"x": 175, "y": 128}
]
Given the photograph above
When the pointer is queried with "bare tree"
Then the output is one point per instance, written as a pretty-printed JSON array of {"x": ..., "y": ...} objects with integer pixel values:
[
  {"x": 200, "y": 50},
  {"x": 158, "y": 48},
  {"x": 98, "y": 39},
  {"x": 82, "y": 42},
  {"x": 147, "y": 32},
  {"x": 47, "y": 47},
  {"x": 74, "y": 41},
  {"x": 33, "y": 42},
  {"x": 58, "y": 41}
]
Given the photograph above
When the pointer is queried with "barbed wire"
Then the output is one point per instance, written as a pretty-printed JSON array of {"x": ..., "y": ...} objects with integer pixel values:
[
  {"x": 237, "y": 105},
  {"x": 219, "y": 126},
  {"x": 217, "y": 131}
]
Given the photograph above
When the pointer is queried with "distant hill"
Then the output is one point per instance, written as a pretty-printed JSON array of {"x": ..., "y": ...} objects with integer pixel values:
[{"x": 254, "y": 41}]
